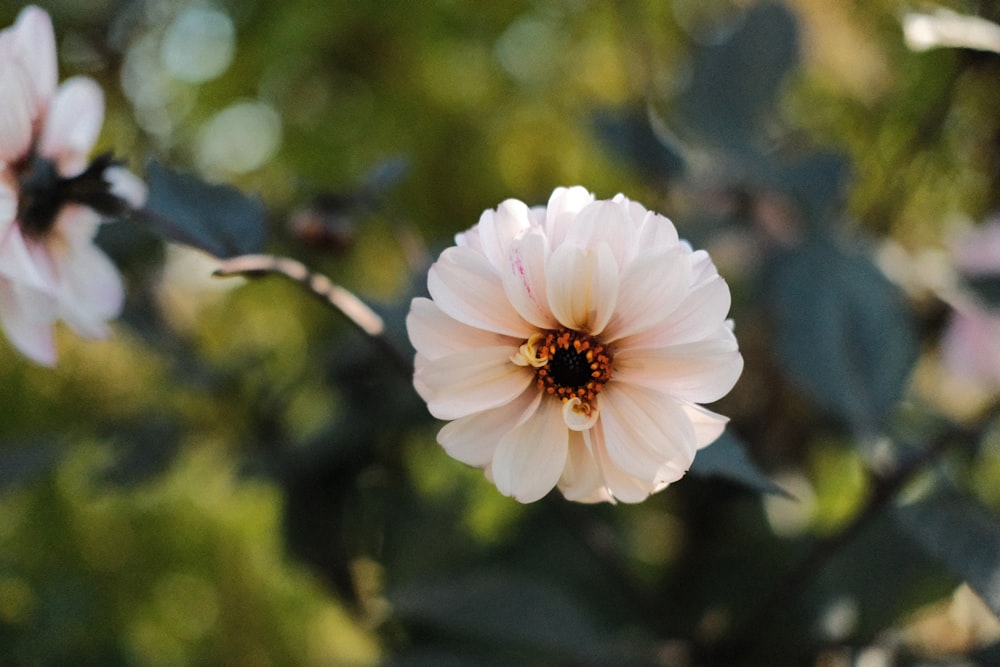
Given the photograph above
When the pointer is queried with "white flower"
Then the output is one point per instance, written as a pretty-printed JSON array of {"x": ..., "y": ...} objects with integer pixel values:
[
  {"x": 570, "y": 346},
  {"x": 49, "y": 266}
]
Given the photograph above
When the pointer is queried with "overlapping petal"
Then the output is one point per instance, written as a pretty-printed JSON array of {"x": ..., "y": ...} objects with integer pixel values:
[
  {"x": 615, "y": 281},
  {"x": 73, "y": 124}
]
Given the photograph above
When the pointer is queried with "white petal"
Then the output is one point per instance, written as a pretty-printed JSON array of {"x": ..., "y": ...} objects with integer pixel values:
[
  {"x": 698, "y": 316},
  {"x": 524, "y": 280},
  {"x": 700, "y": 372},
  {"x": 127, "y": 186},
  {"x": 36, "y": 45},
  {"x": 657, "y": 231},
  {"x": 472, "y": 381},
  {"x": 434, "y": 334},
  {"x": 652, "y": 286},
  {"x": 90, "y": 289},
  {"x": 531, "y": 457},
  {"x": 619, "y": 484},
  {"x": 708, "y": 426},
  {"x": 606, "y": 222},
  {"x": 564, "y": 204},
  {"x": 16, "y": 112},
  {"x": 19, "y": 264},
  {"x": 473, "y": 440},
  {"x": 468, "y": 288},
  {"x": 581, "y": 481},
  {"x": 582, "y": 286},
  {"x": 73, "y": 124},
  {"x": 496, "y": 231},
  {"x": 27, "y": 319},
  {"x": 645, "y": 430}
]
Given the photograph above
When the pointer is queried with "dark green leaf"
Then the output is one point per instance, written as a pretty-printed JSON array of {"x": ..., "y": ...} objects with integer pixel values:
[
  {"x": 987, "y": 288},
  {"x": 218, "y": 219},
  {"x": 727, "y": 458},
  {"x": 734, "y": 84},
  {"x": 841, "y": 331},
  {"x": 961, "y": 534},
  {"x": 629, "y": 135},
  {"x": 504, "y": 609}
]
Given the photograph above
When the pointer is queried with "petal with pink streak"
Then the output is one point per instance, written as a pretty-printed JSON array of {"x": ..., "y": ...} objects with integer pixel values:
[
  {"x": 524, "y": 279},
  {"x": 468, "y": 288}
]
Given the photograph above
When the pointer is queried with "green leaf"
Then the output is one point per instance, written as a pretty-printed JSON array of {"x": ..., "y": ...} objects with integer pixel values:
[
  {"x": 961, "y": 534},
  {"x": 841, "y": 331},
  {"x": 734, "y": 84},
  {"x": 218, "y": 219},
  {"x": 727, "y": 458},
  {"x": 986, "y": 287}
]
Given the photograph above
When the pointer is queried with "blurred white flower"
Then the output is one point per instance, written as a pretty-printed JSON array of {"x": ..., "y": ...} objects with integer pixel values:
[
  {"x": 570, "y": 346},
  {"x": 51, "y": 200}
]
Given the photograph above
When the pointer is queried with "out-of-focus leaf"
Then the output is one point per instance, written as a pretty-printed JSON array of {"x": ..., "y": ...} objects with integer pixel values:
[
  {"x": 841, "y": 331},
  {"x": 963, "y": 535},
  {"x": 143, "y": 450},
  {"x": 216, "y": 218},
  {"x": 23, "y": 464},
  {"x": 734, "y": 84},
  {"x": 504, "y": 609},
  {"x": 727, "y": 458},
  {"x": 629, "y": 135},
  {"x": 987, "y": 288},
  {"x": 817, "y": 182}
]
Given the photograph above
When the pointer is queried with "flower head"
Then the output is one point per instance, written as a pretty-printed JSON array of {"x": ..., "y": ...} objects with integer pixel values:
[
  {"x": 571, "y": 345},
  {"x": 51, "y": 200}
]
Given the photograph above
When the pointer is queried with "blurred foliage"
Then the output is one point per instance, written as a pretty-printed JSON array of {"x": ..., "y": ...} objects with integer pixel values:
[{"x": 239, "y": 477}]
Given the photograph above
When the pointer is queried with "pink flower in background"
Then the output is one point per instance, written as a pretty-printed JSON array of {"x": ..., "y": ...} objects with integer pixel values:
[
  {"x": 571, "y": 345},
  {"x": 970, "y": 346},
  {"x": 51, "y": 201}
]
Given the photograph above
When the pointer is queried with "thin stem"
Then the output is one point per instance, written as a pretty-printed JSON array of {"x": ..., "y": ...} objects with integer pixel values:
[{"x": 349, "y": 305}]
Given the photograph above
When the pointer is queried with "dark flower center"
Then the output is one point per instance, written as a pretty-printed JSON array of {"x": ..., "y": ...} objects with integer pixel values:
[
  {"x": 578, "y": 365},
  {"x": 42, "y": 193}
]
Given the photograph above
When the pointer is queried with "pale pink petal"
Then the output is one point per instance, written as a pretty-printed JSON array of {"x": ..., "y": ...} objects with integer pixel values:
[
  {"x": 16, "y": 112},
  {"x": 473, "y": 440},
  {"x": 468, "y": 288},
  {"x": 524, "y": 280},
  {"x": 472, "y": 381},
  {"x": 531, "y": 457},
  {"x": 708, "y": 425},
  {"x": 27, "y": 320},
  {"x": 73, "y": 124},
  {"x": 698, "y": 316},
  {"x": 582, "y": 286},
  {"x": 619, "y": 484},
  {"x": 435, "y": 334},
  {"x": 498, "y": 230},
  {"x": 700, "y": 372},
  {"x": 657, "y": 231},
  {"x": 564, "y": 204},
  {"x": 8, "y": 208},
  {"x": 91, "y": 290},
  {"x": 605, "y": 222},
  {"x": 127, "y": 186},
  {"x": 581, "y": 481},
  {"x": 977, "y": 250},
  {"x": 645, "y": 430},
  {"x": 652, "y": 286},
  {"x": 35, "y": 43},
  {"x": 19, "y": 262}
]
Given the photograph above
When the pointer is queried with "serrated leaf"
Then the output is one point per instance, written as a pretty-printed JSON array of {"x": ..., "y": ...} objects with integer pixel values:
[
  {"x": 218, "y": 219},
  {"x": 841, "y": 331},
  {"x": 727, "y": 459},
  {"x": 963, "y": 535}
]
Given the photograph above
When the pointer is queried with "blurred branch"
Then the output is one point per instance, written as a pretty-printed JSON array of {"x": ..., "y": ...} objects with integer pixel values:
[
  {"x": 883, "y": 490},
  {"x": 343, "y": 300}
]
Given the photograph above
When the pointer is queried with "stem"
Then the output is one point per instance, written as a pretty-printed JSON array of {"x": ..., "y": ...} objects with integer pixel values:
[{"x": 349, "y": 305}]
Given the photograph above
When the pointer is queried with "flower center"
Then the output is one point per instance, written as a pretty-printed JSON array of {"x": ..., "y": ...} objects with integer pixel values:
[{"x": 571, "y": 365}]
